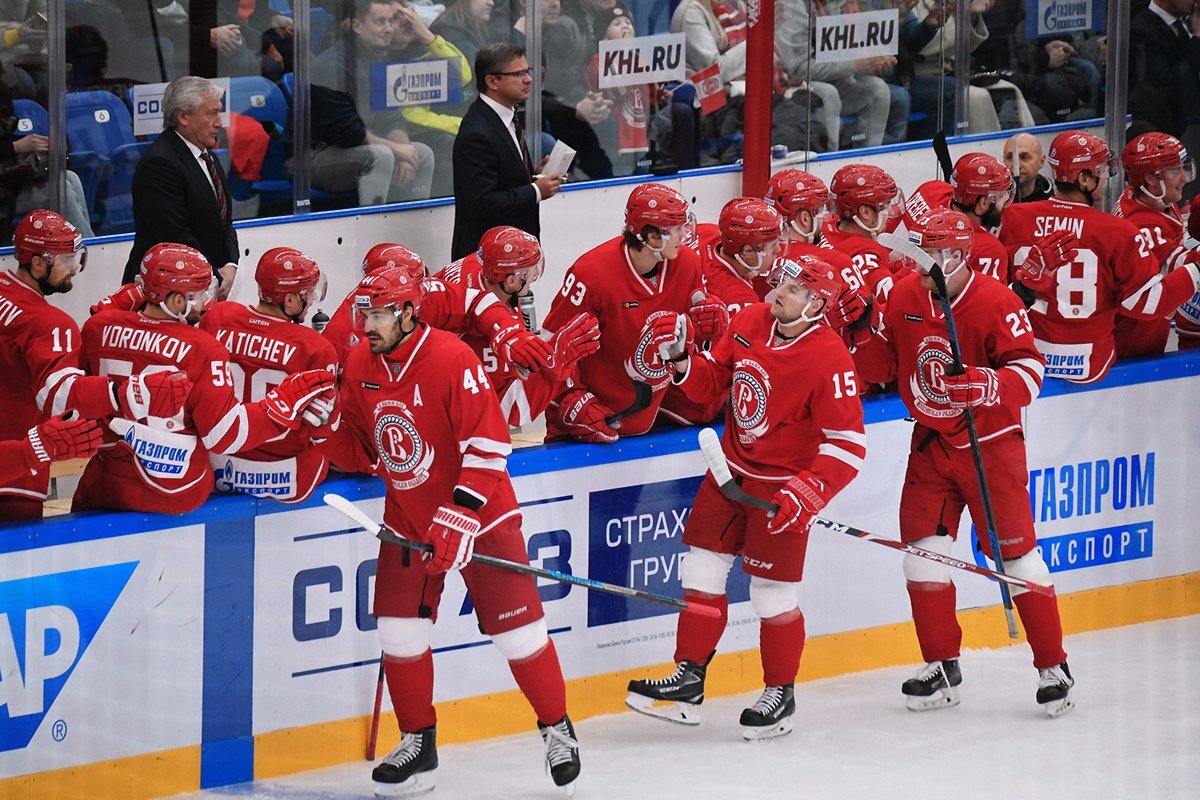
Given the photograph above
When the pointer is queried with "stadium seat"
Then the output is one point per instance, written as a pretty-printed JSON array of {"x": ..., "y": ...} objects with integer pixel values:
[
  {"x": 31, "y": 118},
  {"x": 98, "y": 121},
  {"x": 118, "y": 201}
]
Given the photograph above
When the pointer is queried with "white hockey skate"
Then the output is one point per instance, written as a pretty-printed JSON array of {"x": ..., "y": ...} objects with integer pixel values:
[
  {"x": 409, "y": 769},
  {"x": 771, "y": 714},
  {"x": 934, "y": 687},
  {"x": 1054, "y": 688},
  {"x": 675, "y": 698}
]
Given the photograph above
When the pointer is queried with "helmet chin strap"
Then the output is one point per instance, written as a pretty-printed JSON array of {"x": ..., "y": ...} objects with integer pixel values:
[
  {"x": 752, "y": 270},
  {"x": 808, "y": 235},
  {"x": 877, "y": 228},
  {"x": 1159, "y": 199},
  {"x": 177, "y": 317}
]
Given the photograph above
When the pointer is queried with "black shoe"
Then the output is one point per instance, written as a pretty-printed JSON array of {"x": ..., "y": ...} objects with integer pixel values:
[
  {"x": 934, "y": 686},
  {"x": 684, "y": 687},
  {"x": 771, "y": 714},
  {"x": 408, "y": 769},
  {"x": 1054, "y": 686},
  {"x": 562, "y": 751}
]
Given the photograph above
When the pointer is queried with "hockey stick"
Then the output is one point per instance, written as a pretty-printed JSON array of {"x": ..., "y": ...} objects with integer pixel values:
[
  {"x": 942, "y": 151},
  {"x": 384, "y": 535},
  {"x": 373, "y": 737},
  {"x": 957, "y": 368},
  {"x": 710, "y": 446},
  {"x": 642, "y": 393}
]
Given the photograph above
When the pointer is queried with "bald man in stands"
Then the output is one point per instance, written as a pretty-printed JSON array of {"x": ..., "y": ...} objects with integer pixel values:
[{"x": 1031, "y": 184}]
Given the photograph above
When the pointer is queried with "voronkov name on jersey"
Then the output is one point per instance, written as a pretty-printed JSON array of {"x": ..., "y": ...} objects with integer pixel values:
[{"x": 123, "y": 338}]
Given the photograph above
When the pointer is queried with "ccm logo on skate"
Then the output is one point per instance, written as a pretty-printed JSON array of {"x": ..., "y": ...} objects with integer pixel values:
[
  {"x": 754, "y": 562},
  {"x": 46, "y": 625}
]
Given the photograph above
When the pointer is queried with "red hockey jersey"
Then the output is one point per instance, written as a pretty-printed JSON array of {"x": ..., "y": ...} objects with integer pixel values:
[
  {"x": 604, "y": 282},
  {"x": 171, "y": 463},
  {"x": 39, "y": 361},
  {"x": 913, "y": 347},
  {"x": 263, "y": 350},
  {"x": 1113, "y": 269},
  {"x": 794, "y": 406},
  {"x": 989, "y": 256},
  {"x": 1162, "y": 232},
  {"x": 424, "y": 417},
  {"x": 873, "y": 260}
]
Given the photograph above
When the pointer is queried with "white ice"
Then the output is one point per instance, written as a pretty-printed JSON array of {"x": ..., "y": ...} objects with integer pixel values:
[{"x": 1135, "y": 733}]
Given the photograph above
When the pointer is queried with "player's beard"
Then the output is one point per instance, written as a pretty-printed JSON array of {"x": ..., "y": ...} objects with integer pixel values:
[
  {"x": 47, "y": 288},
  {"x": 992, "y": 218}
]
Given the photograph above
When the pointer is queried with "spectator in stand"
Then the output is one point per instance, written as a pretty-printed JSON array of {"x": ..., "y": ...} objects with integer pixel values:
[
  {"x": 179, "y": 189},
  {"x": 564, "y": 48},
  {"x": 353, "y": 145},
  {"x": 1032, "y": 185},
  {"x": 464, "y": 24},
  {"x": 23, "y": 40},
  {"x": 435, "y": 126},
  {"x": 1164, "y": 71},
  {"x": 933, "y": 65},
  {"x": 916, "y": 32}
]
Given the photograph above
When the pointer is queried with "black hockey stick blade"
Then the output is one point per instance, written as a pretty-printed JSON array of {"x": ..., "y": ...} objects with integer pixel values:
[
  {"x": 384, "y": 535},
  {"x": 642, "y": 394},
  {"x": 942, "y": 151}
]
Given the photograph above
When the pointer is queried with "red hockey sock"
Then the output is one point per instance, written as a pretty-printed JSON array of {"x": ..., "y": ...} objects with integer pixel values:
[
  {"x": 1043, "y": 628},
  {"x": 541, "y": 681},
  {"x": 780, "y": 643},
  {"x": 410, "y": 685},
  {"x": 933, "y": 607},
  {"x": 696, "y": 635}
]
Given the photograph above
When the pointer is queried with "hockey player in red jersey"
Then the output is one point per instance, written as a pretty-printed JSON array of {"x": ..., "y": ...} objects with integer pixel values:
[
  {"x": 266, "y": 343},
  {"x": 864, "y": 199},
  {"x": 644, "y": 273},
  {"x": 793, "y": 434},
  {"x": 1157, "y": 167},
  {"x": 804, "y": 201},
  {"x": 506, "y": 264},
  {"x": 418, "y": 409},
  {"x": 39, "y": 355},
  {"x": 450, "y": 307},
  {"x": 982, "y": 189},
  {"x": 156, "y": 459},
  {"x": 1110, "y": 269},
  {"x": 1003, "y": 375}
]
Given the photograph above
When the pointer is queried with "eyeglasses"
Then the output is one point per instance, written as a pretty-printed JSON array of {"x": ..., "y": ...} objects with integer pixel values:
[{"x": 520, "y": 73}]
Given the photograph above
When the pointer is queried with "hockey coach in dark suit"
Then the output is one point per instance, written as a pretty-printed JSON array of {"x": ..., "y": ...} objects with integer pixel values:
[
  {"x": 494, "y": 179},
  {"x": 179, "y": 189}
]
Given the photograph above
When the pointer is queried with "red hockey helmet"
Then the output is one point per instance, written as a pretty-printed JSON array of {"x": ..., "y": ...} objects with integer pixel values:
[
  {"x": 749, "y": 221},
  {"x": 387, "y": 255},
  {"x": 505, "y": 250},
  {"x": 794, "y": 190},
  {"x": 811, "y": 272},
  {"x": 929, "y": 196},
  {"x": 656, "y": 205},
  {"x": 943, "y": 232},
  {"x": 980, "y": 176},
  {"x": 856, "y": 185},
  {"x": 392, "y": 288},
  {"x": 1152, "y": 153},
  {"x": 1075, "y": 152},
  {"x": 45, "y": 233},
  {"x": 170, "y": 268},
  {"x": 283, "y": 270}
]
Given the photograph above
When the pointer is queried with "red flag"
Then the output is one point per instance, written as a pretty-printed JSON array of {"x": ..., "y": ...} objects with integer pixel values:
[{"x": 709, "y": 88}]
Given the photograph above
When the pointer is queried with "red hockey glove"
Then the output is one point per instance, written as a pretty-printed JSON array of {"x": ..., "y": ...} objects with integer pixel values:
[
  {"x": 584, "y": 417},
  {"x": 1183, "y": 258},
  {"x": 61, "y": 438},
  {"x": 1040, "y": 268},
  {"x": 579, "y": 338},
  {"x": 709, "y": 316},
  {"x": 673, "y": 335},
  {"x": 288, "y": 402},
  {"x": 153, "y": 394},
  {"x": 978, "y": 386},
  {"x": 850, "y": 306},
  {"x": 521, "y": 348},
  {"x": 129, "y": 297},
  {"x": 452, "y": 534},
  {"x": 800, "y": 499}
]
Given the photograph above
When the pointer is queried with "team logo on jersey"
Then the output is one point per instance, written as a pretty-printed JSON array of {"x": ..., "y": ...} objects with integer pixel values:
[
  {"x": 646, "y": 364},
  {"x": 927, "y": 382},
  {"x": 401, "y": 449},
  {"x": 748, "y": 394}
]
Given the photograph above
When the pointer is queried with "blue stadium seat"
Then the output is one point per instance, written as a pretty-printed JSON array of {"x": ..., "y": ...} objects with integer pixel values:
[
  {"x": 289, "y": 85},
  {"x": 31, "y": 118},
  {"x": 257, "y": 97},
  {"x": 118, "y": 202},
  {"x": 98, "y": 121}
]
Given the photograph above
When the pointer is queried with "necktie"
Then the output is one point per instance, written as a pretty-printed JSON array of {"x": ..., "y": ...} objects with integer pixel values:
[
  {"x": 1181, "y": 30},
  {"x": 519, "y": 127},
  {"x": 218, "y": 187}
]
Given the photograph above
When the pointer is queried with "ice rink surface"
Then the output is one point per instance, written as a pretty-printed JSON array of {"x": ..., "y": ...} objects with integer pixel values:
[{"x": 1135, "y": 733}]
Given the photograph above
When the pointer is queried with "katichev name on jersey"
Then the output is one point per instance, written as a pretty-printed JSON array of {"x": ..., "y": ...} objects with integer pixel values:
[
  {"x": 124, "y": 338},
  {"x": 253, "y": 345}
]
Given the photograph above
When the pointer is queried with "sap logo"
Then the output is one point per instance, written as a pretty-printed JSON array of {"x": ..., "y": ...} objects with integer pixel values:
[{"x": 46, "y": 625}]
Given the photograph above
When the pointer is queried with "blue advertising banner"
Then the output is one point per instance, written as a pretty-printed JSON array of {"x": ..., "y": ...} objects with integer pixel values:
[
  {"x": 415, "y": 83},
  {"x": 1062, "y": 17}
]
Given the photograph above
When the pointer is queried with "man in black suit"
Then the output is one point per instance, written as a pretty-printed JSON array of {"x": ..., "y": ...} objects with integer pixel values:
[
  {"x": 493, "y": 177},
  {"x": 1164, "y": 66},
  {"x": 179, "y": 189}
]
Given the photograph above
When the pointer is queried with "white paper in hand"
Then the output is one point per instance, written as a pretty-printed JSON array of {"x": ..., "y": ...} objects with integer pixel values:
[{"x": 560, "y": 159}]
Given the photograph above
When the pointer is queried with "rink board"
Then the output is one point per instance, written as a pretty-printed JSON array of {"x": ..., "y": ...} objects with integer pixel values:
[{"x": 148, "y": 654}]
